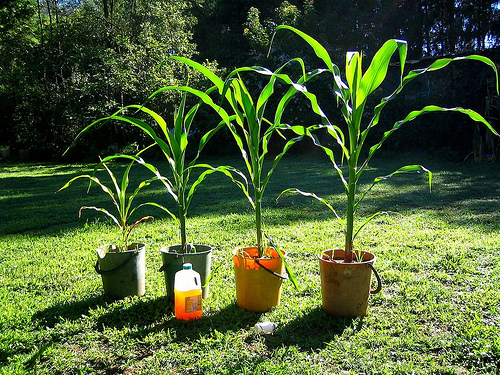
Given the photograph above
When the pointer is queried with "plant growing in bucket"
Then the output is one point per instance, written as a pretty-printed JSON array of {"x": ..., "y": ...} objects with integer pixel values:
[
  {"x": 346, "y": 272},
  {"x": 122, "y": 267},
  {"x": 173, "y": 142},
  {"x": 259, "y": 269}
]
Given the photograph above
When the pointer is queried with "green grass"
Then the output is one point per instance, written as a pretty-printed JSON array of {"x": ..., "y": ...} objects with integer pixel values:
[{"x": 438, "y": 256}]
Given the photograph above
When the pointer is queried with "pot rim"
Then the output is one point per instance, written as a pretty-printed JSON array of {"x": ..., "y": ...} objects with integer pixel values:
[
  {"x": 103, "y": 250},
  {"x": 322, "y": 258},
  {"x": 238, "y": 252},
  {"x": 166, "y": 249}
]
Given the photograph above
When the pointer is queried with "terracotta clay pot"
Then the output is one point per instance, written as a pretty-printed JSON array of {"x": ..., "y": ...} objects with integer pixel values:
[{"x": 345, "y": 287}]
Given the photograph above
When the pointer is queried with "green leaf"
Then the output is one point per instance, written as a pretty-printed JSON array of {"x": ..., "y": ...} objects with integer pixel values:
[
  {"x": 354, "y": 75},
  {"x": 328, "y": 151},
  {"x": 292, "y": 90},
  {"x": 428, "y": 109},
  {"x": 154, "y": 204},
  {"x": 405, "y": 169},
  {"x": 95, "y": 180},
  {"x": 208, "y": 171},
  {"x": 106, "y": 212},
  {"x": 319, "y": 50},
  {"x": 166, "y": 182},
  {"x": 306, "y": 194},
  {"x": 367, "y": 221},
  {"x": 289, "y": 271},
  {"x": 135, "y": 224},
  {"x": 113, "y": 179},
  {"x": 243, "y": 185},
  {"x": 207, "y": 136},
  {"x": 278, "y": 158},
  {"x": 377, "y": 71},
  {"x": 202, "y": 69},
  {"x": 339, "y": 87}
]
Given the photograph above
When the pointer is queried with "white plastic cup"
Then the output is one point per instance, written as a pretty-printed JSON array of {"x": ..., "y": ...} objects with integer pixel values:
[{"x": 264, "y": 327}]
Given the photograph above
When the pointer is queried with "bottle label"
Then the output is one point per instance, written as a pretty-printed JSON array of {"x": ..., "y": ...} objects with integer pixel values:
[{"x": 193, "y": 303}]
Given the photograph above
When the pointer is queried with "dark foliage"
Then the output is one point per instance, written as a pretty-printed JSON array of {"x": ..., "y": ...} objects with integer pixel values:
[{"x": 66, "y": 63}]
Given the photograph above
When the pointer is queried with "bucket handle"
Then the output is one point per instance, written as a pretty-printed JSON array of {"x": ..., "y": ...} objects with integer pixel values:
[
  {"x": 101, "y": 272},
  {"x": 164, "y": 265},
  {"x": 283, "y": 277},
  {"x": 379, "y": 280}
]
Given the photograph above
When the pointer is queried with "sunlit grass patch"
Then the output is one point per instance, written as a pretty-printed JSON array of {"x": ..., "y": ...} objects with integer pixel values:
[{"x": 438, "y": 256}]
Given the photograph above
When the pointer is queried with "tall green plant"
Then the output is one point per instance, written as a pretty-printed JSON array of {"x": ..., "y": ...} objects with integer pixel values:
[
  {"x": 351, "y": 93},
  {"x": 173, "y": 142},
  {"x": 252, "y": 131}
]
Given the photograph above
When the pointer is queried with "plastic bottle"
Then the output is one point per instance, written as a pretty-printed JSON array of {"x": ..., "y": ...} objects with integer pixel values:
[
  {"x": 187, "y": 293},
  {"x": 264, "y": 327}
]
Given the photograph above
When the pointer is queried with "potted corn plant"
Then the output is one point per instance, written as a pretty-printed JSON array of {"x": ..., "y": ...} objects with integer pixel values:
[
  {"x": 346, "y": 272},
  {"x": 173, "y": 143},
  {"x": 122, "y": 267},
  {"x": 259, "y": 269}
]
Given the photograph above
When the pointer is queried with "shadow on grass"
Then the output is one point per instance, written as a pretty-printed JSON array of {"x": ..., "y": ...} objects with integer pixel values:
[
  {"x": 50, "y": 317},
  {"x": 156, "y": 315},
  {"x": 474, "y": 189},
  {"x": 463, "y": 195},
  {"x": 311, "y": 331},
  {"x": 147, "y": 316},
  {"x": 69, "y": 311}
]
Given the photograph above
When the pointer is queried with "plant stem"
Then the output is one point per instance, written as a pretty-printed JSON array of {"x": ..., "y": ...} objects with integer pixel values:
[
  {"x": 182, "y": 225},
  {"x": 258, "y": 192},
  {"x": 258, "y": 222},
  {"x": 182, "y": 219},
  {"x": 125, "y": 234},
  {"x": 353, "y": 125},
  {"x": 351, "y": 196},
  {"x": 125, "y": 241}
]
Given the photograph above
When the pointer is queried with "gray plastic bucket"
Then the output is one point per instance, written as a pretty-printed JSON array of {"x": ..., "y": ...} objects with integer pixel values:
[
  {"x": 123, "y": 273},
  {"x": 173, "y": 261}
]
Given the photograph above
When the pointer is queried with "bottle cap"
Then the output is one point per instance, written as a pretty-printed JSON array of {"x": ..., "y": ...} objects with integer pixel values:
[{"x": 187, "y": 266}]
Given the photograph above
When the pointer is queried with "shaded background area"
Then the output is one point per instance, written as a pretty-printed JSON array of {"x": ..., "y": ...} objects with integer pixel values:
[{"x": 64, "y": 64}]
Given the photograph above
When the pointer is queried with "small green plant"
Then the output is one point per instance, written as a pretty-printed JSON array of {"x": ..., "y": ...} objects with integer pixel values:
[
  {"x": 121, "y": 201},
  {"x": 351, "y": 96},
  {"x": 173, "y": 142}
]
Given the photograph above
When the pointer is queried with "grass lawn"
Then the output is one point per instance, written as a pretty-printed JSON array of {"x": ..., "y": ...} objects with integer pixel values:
[{"x": 438, "y": 256}]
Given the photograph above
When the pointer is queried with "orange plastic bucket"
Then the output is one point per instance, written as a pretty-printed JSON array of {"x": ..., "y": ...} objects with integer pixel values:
[
  {"x": 257, "y": 288},
  {"x": 345, "y": 287}
]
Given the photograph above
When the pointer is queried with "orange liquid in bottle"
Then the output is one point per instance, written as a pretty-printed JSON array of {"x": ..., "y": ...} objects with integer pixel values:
[{"x": 188, "y": 304}]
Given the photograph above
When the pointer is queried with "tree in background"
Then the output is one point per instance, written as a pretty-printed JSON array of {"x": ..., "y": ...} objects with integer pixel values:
[
  {"x": 69, "y": 62},
  {"x": 432, "y": 27},
  {"x": 64, "y": 63},
  {"x": 17, "y": 34}
]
